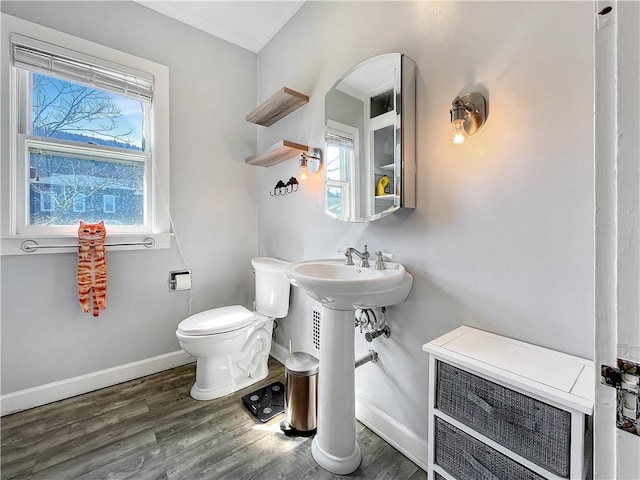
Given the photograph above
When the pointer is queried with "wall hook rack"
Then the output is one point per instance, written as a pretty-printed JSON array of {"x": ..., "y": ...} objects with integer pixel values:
[
  {"x": 279, "y": 189},
  {"x": 292, "y": 185},
  {"x": 282, "y": 188}
]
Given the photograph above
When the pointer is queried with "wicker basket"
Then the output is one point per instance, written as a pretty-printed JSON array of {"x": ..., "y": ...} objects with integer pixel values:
[
  {"x": 467, "y": 458},
  {"x": 529, "y": 427}
]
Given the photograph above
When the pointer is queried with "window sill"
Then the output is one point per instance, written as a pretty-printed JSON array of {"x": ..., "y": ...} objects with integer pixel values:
[{"x": 69, "y": 244}]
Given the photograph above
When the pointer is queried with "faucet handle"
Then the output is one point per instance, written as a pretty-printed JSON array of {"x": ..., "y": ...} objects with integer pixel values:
[
  {"x": 379, "y": 261},
  {"x": 349, "y": 260}
]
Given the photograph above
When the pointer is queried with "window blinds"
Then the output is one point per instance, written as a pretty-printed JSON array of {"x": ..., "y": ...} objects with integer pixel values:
[
  {"x": 49, "y": 59},
  {"x": 339, "y": 141}
]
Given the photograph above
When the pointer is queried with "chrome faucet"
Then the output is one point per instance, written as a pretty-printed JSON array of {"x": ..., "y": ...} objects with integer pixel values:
[{"x": 364, "y": 256}]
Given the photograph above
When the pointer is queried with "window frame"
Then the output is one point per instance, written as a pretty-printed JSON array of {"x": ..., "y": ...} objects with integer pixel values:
[
  {"x": 15, "y": 186},
  {"x": 350, "y": 185}
]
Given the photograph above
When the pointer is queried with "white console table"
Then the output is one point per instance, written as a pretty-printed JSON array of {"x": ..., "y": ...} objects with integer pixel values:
[{"x": 500, "y": 408}]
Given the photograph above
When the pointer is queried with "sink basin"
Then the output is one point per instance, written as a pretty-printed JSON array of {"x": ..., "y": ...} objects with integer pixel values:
[{"x": 346, "y": 287}]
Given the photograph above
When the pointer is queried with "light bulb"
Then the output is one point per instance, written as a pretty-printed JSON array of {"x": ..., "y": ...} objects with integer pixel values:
[
  {"x": 459, "y": 133},
  {"x": 303, "y": 173}
]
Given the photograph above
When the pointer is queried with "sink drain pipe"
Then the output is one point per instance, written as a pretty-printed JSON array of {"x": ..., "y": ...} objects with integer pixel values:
[{"x": 372, "y": 357}]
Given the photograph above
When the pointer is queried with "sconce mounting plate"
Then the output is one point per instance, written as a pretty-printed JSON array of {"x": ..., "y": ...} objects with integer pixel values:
[
  {"x": 476, "y": 107},
  {"x": 313, "y": 161}
]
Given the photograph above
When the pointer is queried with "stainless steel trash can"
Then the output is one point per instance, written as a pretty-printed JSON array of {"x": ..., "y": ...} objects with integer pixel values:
[{"x": 300, "y": 394}]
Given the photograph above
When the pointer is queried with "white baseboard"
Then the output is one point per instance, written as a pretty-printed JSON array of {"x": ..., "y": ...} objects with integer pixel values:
[
  {"x": 279, "y": 352},
  {"x": 52, "y": 392},
  {"x": 397, "y": 435}
]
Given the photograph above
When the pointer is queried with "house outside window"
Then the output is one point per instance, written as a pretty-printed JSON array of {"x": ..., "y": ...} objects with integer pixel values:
[
  {"x": 46, "y": 202},
  {"x": 89, "y": 139},
  {"x": 109, "y": 203}
]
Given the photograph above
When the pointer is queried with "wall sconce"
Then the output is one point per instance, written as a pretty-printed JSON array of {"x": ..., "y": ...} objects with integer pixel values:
[
  {"x": 468, "y": 114},
  {"x": 310, "y": 162}
]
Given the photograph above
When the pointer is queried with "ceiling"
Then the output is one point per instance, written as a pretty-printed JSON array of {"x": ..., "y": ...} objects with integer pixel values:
[{"x": 249, "y": 24}]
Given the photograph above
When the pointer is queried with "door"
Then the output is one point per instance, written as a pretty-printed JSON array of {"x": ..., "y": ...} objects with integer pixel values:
[{"x": 617, "y": 224}]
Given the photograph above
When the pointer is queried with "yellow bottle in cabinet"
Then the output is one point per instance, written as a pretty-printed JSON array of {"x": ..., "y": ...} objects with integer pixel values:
[{"x": 383, "y": 187}]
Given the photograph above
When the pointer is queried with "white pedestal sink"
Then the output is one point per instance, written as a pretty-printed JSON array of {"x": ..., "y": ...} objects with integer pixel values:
[{"x": 341, "y": 289}]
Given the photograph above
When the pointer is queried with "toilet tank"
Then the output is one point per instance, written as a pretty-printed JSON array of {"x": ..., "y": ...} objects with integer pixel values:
[{"x": 272, "y": 286}]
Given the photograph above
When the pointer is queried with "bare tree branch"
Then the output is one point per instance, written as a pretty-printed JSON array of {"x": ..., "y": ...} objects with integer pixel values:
[{"x": 61, "y": 106}]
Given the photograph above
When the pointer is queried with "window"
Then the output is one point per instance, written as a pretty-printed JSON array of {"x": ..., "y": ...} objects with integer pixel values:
[
  {"x": 81, "y": 128},
  {"x": 46, "y": 202},
  {"x": 340, "y": 155},
  {"x": 89, "y": 139},
  {"x": 79, "y": 178},
  {"x": 341, "y": 142},
  {"x": 337, "y": 199},
  {"x": 109, "y": 204}
]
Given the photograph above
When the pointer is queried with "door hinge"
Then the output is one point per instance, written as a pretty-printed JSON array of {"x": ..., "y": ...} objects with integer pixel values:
[{"x": 625, "y": 378}]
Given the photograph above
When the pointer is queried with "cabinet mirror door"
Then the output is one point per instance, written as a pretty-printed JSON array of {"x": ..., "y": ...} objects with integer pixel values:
[{"x": 370, "y": 140}]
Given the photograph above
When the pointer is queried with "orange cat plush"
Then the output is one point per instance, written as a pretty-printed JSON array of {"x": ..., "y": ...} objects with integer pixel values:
[{"x": 92, "y": 267}]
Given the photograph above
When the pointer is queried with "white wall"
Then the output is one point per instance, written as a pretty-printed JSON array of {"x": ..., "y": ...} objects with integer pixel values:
[
  {"x": 45, "y": 336},
  {"x": 502, "y": 236}
]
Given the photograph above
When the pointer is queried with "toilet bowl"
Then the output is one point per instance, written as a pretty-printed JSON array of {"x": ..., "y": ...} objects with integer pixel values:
[{"x": 231, "y": 343}]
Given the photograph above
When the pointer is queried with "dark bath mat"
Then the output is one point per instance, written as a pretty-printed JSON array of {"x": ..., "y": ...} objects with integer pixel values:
[{"x": 266, "y": 402}]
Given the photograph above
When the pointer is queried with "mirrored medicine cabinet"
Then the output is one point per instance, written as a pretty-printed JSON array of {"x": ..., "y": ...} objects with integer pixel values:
[{"x": 370, "y": 140}]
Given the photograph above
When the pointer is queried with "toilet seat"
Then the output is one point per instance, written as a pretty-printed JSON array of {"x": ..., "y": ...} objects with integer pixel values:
[{"x": 217, "y": 320}]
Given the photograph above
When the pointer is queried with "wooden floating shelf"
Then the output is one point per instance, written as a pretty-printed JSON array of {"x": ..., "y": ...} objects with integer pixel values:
[
  {"x": 278, "y": 106},
  {"x": 276, "y": 153}
]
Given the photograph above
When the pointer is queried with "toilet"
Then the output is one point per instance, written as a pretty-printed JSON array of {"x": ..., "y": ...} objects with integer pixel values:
[{"x": 232, "y": 344}]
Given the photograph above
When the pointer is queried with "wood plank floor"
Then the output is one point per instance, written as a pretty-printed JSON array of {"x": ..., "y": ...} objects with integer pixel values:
[{"x": 151, "y": 429}]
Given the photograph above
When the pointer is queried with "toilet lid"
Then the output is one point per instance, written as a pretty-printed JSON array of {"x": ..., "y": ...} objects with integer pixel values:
[{"x": 216, "y": 320}]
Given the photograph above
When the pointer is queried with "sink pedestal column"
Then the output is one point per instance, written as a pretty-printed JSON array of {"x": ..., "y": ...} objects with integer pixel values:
[{"x": 334, "y": 446}]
